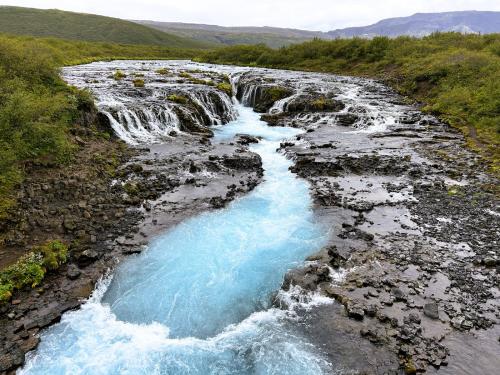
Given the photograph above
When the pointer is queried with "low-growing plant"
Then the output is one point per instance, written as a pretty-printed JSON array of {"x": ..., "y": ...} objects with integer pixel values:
[
  {"x": 226, "y": 87},
  {"x": 138, "y": 82},
  {"x": 55, "y": 253},
  {"x": 180, "y": 99},
  {"x": 119, "y": 75},
  {"x": 163, "y": 71},
  {"x": 31, "y": 268}
]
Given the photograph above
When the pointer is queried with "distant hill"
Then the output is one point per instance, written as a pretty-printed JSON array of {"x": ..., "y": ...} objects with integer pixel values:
[
  {"x": 422, "y": 24},
  {"x": 272, "y": 36},
  {"x": 89, "y": 27}
]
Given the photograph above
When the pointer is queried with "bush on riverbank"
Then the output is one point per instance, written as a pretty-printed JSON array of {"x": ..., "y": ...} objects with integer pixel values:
[
  {"x": 31, "y": 268},
  {"x": 456, "y": 76}
]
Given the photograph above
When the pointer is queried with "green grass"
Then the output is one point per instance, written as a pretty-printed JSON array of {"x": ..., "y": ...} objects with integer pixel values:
[
  {"x": 457, "y": 77},
  {"x": 87, "y": 27}
]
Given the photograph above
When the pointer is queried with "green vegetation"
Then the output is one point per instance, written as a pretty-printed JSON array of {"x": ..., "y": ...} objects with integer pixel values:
[
  {"x": 195, "y": 80},
  {"x": 138, "y": 82},
  {"x": 226, "y": 87},
  {"x": 89, "y": 27},
  {"x": 31, "y": 268},
  {"x": 119, "y": 75},
  {"x": 277, "y": 93},
  {"x": 456, "y": 76},
  {"x": 163, "y": 71},
  {"x": 180, "y": 99}
]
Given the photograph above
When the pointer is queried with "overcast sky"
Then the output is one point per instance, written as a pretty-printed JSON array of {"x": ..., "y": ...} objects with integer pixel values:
[{"x": 304, "y": 14}]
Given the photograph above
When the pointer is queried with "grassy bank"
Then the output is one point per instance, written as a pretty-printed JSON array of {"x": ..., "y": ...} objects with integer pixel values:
[
  {"x": 89, "y": 27},
  {"x": 456, "y": 77},
  {"x": 37, "y": 108}
]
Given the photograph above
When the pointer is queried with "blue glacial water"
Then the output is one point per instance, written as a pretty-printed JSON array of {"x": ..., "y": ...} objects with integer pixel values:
[{"x": 198, "y": 300}]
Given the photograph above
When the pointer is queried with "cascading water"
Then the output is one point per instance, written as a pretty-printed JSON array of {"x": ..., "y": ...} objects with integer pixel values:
[
  {"x": 198, "y": 300},
  {"x": 146, "y": 114}
]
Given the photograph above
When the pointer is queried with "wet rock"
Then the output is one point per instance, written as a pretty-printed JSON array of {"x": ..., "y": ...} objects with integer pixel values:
[
  {"x": 354, "y": 310},
  {"x": 243, "y": 161},
  {"x": 245, "y": 139},
  {"x": 489, "y": 262},
  {"x": 73, "y": 272},
  {"x": 86, "y": 257},
  {"x": 314, "y": 103},
  {"x": 346, "y": 119},
  {"x": 398, "y": 295},
  {"x": 431, "y": 310}
]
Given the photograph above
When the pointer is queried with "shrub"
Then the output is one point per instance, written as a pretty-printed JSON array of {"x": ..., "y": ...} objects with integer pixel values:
[
  {"x": 119, "y": 75},
  {"x": 138, "y": 82},
  {"x": 31, "y": 268},
  {"x": 54, "y": 253}
]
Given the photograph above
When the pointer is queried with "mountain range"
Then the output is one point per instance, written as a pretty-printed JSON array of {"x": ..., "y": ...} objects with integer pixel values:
[{"x": 70, "y": 25}]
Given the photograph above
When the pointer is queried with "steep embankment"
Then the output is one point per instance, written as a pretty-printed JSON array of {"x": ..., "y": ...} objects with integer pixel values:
[
  {"x": 89, "y": 27},
  {"x": 455, "y": 76}
]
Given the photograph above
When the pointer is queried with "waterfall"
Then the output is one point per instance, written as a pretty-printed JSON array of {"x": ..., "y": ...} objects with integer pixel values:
[{"x": 149, "y": 114}]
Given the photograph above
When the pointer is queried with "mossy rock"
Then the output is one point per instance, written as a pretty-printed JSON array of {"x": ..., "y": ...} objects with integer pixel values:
[
  {"x": 179, "y": 99},
  {"x": 226, "y": 87},
  {"x": 119, "y": 75},
  {"x": 268, "y": 95},
  {"x": 138, "y": 82}
]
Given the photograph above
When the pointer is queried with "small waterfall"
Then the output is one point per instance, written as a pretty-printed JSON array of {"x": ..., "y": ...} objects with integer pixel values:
[{"x": 150, "y": 113}]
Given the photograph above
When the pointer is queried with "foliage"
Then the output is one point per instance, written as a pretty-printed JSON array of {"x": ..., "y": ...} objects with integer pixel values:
[
  {"x": 54, "y": 253},
  {"x": 31, "y": 268},
  {"x": 119, "y": 75},
  {"x": 138, "y": 82},
  {"x": 177, "y": 99},
  {"x": 226, "y": 87},
  {"x": 163, "y": 71},
  {"x": 456, "y": 76}
]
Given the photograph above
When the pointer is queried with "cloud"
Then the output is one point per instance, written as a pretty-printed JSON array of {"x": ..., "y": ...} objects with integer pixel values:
[{"x": 305, "y": 14}]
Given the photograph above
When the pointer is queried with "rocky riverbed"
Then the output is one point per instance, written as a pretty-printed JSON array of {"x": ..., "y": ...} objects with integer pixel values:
[
  {"x": 414, "y": 229},
  {"x": 413, "y": 216}
]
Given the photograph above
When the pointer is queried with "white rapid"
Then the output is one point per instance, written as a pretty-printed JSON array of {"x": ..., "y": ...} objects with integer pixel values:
[{"x": 198, "y": 301}]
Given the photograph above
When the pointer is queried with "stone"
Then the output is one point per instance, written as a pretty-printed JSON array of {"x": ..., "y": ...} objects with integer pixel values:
[
  {"x": 355, "y": 311},
  {"x": 73, "y": 272},
  {"x": 431, "y": 310},
  {"x": 398, "y": 295},
  {"x": 489, "y": 262}
]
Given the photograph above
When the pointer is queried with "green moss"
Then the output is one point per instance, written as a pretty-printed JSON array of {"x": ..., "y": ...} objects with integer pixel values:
[
  {"x": 226, "y": 87},
  {"x": 138, "y": 82},
  {"x": 276, "y": 93},
  {"x": 163, "y": 71},
  {"x": 119, "y": 75},
  {"x": 319, "y": 104},
  {"x": 180, "y": 99}
]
